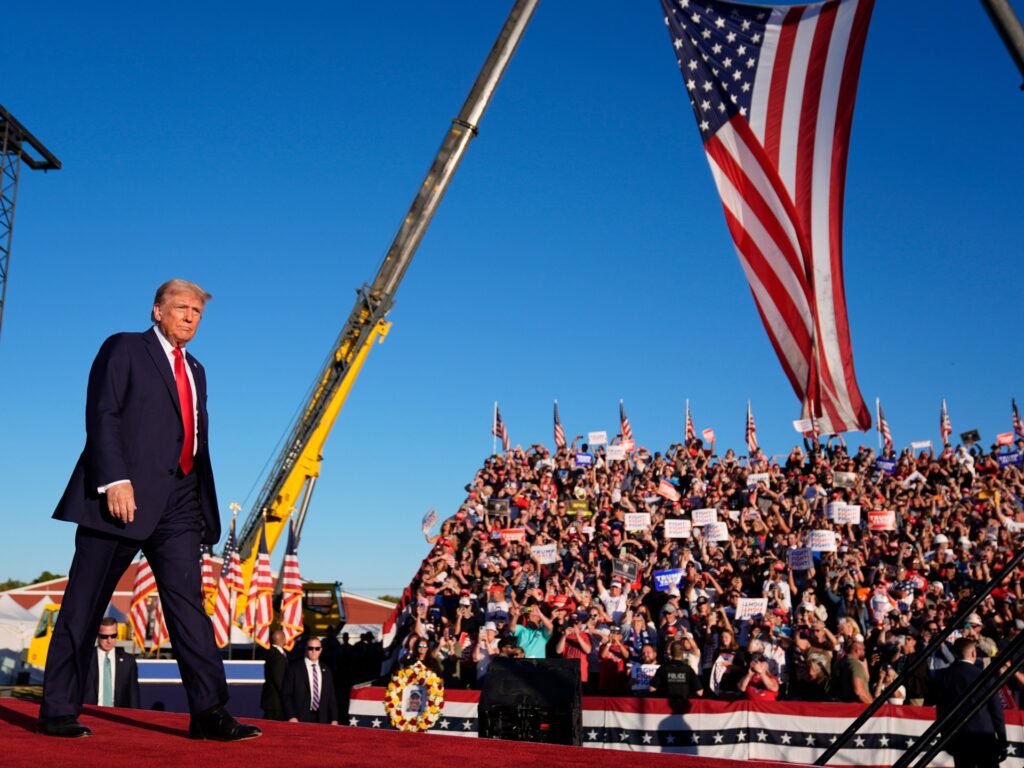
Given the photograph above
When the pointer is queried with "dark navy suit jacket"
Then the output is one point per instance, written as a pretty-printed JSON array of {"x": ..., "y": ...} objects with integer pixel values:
[
  {"x": 134, "y": 432},
  {"x": 953, "y": 683},
  {"x": 126, "y": 681}
]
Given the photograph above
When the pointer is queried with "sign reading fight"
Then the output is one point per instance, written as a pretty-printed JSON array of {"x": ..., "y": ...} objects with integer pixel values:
[
  {"x": 821, "y": 541},
  {"x": 751, "y": 608},
  {"x": 597, "y": 438},
  {"x": 882, "y": 520},
  {"x": 705, "y": 516},
  {"x": 800, "y": 559},
  {"x": 717, "y": 531},
  {"x": 638, "y": 521},
  {"x": 584, "y": 459},
  {"x": 677, "y": 529},
  {"x": 545, "y": 554},
  {"x": 665, "y": 580},
  {"x": 843, "y": 514}
]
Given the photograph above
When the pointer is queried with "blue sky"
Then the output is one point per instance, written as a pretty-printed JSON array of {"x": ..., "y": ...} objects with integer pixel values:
[{"x": 580, "y": 254}]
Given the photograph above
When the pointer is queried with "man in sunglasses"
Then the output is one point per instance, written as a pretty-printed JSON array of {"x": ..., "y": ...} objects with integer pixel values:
[
  {"x": 309, "y": 688},
  {"x": 112, "y": 679}
]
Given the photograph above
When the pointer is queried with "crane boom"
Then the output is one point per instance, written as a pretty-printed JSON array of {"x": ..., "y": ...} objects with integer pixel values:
[{"x": 290, "y": 483}]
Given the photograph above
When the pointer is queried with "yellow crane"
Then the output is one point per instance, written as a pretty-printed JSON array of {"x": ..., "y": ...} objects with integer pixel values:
[{"x": 289, "y": 486}]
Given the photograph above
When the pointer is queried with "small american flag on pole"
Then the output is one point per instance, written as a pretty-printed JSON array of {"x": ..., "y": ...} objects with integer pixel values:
[
  {"x": 559, "y": 432},
  {"x": 627, "y": 430},
  {"x": 292, "y": 592},
  {"x": 209, "y": 583},
  {"x": 1018, "y": 425},
  {"x": 773, "y": 91},
  {"x": 144, "y": 586},
  {"x": 230, "y": 586},
  {"x": 883, "y": 428},
  {"x": 499, "y": 430},
  {"x": 945, "y": 426},
  {"x": 751, "y": 432},
  {"x": 160, "y": 633},
  {"x": 691, "y": 432},
  {"x": 259, "y": 606}
]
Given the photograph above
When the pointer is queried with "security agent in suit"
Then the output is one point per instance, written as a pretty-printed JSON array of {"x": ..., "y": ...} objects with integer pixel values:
[
  {"x": 112, "y": 680},
  {"x": 274, "y": 668},
  {"x": 309, "y": 695},
  {"x": 981, "y": 741},
  {"x": 144, "y": 481}
]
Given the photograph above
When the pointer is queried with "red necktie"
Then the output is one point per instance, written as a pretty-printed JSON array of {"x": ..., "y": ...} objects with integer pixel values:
[{"x": 187, "y": 412}]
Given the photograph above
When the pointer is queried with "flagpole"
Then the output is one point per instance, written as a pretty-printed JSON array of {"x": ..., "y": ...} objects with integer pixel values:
[
  {"x": 878, "y": 421},
  {"x": 232, "y": 596},
  {"x": 686, "y": 422},
  {"x": 494, "y": 429}
]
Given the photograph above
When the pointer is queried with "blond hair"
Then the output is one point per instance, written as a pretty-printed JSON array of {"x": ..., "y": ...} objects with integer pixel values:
[{"x": 177, "y": 285}]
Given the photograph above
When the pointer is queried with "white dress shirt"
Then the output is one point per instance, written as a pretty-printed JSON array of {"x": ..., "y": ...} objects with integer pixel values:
[{"x": 169, "y": 352}]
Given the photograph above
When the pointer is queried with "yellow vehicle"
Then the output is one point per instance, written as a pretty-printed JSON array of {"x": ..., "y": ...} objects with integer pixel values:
[
  {"x": 35, "y": 654},
  {"x": 322, "y": 607}
]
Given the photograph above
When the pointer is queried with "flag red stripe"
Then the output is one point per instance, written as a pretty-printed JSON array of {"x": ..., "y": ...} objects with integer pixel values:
[{"x": 779, "y": 82}]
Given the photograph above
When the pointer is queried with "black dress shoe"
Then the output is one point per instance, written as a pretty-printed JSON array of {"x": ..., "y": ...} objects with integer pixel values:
[
  {"x": 66, "y": 727},
  {"x": 217, "y": 724}
]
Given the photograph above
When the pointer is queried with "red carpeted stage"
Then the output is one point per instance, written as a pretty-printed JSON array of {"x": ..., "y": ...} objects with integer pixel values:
[{"x": 159, "y": 739}]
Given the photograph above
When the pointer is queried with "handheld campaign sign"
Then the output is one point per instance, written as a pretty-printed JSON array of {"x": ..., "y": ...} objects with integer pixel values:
[
  {"x": 803, "y": 425},
  {"x": 751, "y": 607},
  {"x": 844, "y": 479},
  {"x": 615, "y": 453},
  {"x": 758, "y": 477},
  {"x": 705, "y": 516},
  {"x": 677, "y": 529},
  {"x": 430, "y": 520},
  {"x": 638, "y": 521},
  {"x": 821, "y": 541},
  {"x": 708, "y": 435},
  {"x": 718, "y": 531},
  {"x": 920, "y": 445},
  {"x": 511, "y": 534},
  {"x": 577, "y": 507},
  {"x": 668, "y": 491},
  {"x": 1006, "y": 459},
  {"x": 584, "y": 459},
  {"x": 545, "y": 554},
  {"x": 629, "y": 445},
  {"x": 498, "y": 506},
  {"x": 848, "y": 514},
  {"x": 971, "y": 436},
  {"x": 665, "y": 580},
  {"x": 597, "y": 438},
  {"x": 624, "y": 569},
  {"x": 882, "y": 520},
  {"x": 885, "y": 465},
  {"x": 800, "y": 559}
]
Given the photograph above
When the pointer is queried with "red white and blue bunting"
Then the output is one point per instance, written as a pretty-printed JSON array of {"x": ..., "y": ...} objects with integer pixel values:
[{"x": 794, "y": 732}]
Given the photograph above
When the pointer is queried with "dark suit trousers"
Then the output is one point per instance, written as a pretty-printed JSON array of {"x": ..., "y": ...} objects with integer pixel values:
[{"x": 173, "y": 551}]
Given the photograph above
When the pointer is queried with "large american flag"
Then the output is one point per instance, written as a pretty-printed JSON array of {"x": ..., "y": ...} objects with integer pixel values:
[
  {"x": 209, "y": 582},
  {"x": 883, "y": 429},
  {"x": 751, "y": 432},
  {"x": 559, "y": 432},
  {"x": 773, "y": 92},
  {"x": 292, "y": 592},
  {"x": 229, "y": 587},
  {"x": 691, "y": 431},
  {"x": 1018, "y": 425},
  {"x": 499, "y": 430},
  {"x": 144, "y": 586},
  {"x": 259, "y": 605},
  {"x": 627, "y": 430},
  {"x": 945, "y": 426}
]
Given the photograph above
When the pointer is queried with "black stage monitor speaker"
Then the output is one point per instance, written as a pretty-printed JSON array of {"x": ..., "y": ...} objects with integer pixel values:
[{"x": 532, "y": 700}]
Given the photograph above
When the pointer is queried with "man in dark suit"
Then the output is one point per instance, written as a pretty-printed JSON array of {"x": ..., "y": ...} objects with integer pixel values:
[
  {"x": 112, "y": 680},
  {"x": 274, "y": 668},
  {"x": 144, "y": 481},
  {"x": 309, "y": 689},
  {"x": 981, "y": 741}
]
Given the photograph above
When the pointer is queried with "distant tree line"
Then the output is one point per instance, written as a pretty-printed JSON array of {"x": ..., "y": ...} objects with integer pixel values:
[{"x": 15, "y": 583}]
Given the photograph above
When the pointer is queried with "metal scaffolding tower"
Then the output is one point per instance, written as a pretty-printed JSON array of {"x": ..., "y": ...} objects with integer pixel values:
[{"x": 17, "y": 145}]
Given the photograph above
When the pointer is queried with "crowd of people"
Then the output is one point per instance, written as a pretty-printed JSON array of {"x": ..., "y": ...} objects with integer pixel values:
[{"x": 547, "y": 557}]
